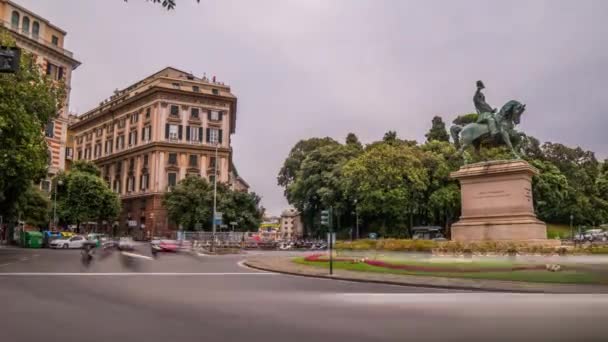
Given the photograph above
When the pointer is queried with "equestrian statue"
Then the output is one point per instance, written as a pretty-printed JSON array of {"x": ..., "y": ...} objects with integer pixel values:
[{"x": 490, "y": 124}]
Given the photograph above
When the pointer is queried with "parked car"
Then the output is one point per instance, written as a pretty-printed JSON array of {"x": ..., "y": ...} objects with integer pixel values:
[
  {"x": 595, "y": 235},
  {"x": 75, "y": 241}
]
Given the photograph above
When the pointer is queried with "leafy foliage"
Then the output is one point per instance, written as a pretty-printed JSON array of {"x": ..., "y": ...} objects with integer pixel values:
[
  {"x": 190, "y": 205},
  {"x": 33, "y": 206},
  {"x": 437, "y": 131},
  {"x": 83, "y": 196},
  {"x": 28, "y": 100},
  {"x": 168, "y": 4}
]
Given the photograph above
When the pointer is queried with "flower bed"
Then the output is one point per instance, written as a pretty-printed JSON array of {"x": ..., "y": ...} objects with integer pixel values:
[{"x": 424, "y": 268}]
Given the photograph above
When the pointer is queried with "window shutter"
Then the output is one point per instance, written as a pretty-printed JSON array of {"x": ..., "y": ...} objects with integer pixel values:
[
  {"x": 179, "y": 134},
  {"x": 200, "y": 134},
  {"x": 143, "y": 133},
  {"x": 209, "y": 115},
  {"x": 166, "y": 131},
  {"x": 221, "y": 116},
  {"x": 208, "y": 134},
  {"x": 187, "y": 133},
  {"x": 60, "y": 73},
  {"x": 219, "y": 135}
]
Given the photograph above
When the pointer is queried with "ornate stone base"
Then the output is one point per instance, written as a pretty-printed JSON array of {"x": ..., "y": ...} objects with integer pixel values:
[{"x": 497, "y": 203}]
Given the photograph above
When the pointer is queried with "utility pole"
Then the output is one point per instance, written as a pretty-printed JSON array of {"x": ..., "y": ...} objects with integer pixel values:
[{"x": 571, "y": 227}]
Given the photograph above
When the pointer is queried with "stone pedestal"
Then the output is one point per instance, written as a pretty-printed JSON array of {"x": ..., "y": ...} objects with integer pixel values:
[{"x": 497, "y": 203}]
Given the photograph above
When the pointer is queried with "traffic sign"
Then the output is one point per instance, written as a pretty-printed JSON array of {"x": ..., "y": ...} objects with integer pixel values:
[
  {"x": 373, "y": 236},
  {"x": 218, "y": 215},
  {"x": 326, "y": 218}
]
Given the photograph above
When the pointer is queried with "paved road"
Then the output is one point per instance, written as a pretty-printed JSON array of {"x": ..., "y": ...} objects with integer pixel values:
[{"x": 46, "y": 295}]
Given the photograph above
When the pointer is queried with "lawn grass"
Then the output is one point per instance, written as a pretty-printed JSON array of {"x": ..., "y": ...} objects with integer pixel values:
[
  {"x": 537, "y": 276},
  {"x": 558, "y": 230}
]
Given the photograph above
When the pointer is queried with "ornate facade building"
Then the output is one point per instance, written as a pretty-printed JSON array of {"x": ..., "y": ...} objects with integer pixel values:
[{"x": 150, "y": 135}]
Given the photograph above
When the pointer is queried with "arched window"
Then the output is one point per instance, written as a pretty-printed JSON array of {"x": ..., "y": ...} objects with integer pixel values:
[
  {"x": 35, "y": 29},
  {"x": 15, "y": 20},
  {"x": 25, "y": 25}
]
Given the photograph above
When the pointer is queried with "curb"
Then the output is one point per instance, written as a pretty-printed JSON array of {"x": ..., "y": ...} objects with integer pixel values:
[{"x": 388, "y": 282}]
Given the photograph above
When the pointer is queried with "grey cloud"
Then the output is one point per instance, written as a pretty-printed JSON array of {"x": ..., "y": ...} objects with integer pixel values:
[{"x": 313, "y": 68}]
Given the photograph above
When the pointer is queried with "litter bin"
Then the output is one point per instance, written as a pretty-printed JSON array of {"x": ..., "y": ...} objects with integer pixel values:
[{"x": 33, "y": 239}]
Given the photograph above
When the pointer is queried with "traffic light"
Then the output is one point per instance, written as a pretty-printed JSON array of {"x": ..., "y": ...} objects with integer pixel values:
[
  {"x": 9, "y": 59},
  {"x": 326, "y": 218}
]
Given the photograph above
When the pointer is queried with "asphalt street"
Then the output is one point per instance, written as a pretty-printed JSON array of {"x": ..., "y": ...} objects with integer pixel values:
[{"x": 47, "y": 295}]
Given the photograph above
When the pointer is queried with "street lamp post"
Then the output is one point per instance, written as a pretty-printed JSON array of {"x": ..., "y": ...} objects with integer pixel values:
[
  {"x": 59, "y": 182},
  {"x": 571, "y": 227},
  {"x": 356, "y": 221},
  {"x": 214, "y": 195}
]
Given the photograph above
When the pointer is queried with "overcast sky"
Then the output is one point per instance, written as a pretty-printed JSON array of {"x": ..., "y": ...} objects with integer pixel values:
[{"x": 304, "y": 68}]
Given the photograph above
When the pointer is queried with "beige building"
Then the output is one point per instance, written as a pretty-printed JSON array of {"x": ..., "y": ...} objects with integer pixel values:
[
  {"x": 291, "y": 224},
  {"x": 38, "y": 36},
  {"x": 150, "y": 135}
]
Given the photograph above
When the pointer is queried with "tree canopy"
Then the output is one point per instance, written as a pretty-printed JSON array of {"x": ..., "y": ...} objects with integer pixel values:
[
  {"x": 437, "y": 131},
  {"x": 190, "y": 205},
  {"x": 28, "y": 100}
]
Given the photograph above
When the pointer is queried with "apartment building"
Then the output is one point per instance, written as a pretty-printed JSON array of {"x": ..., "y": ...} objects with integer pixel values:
[
  {"x": 291, "y": 224},
  {"x": 45, "y": 41},
  {"x": 149, "y": 136}
]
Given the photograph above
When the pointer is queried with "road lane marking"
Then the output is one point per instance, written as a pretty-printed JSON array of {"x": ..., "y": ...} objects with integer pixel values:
[
  {"x": 134, "y": 255},
  {"x": 92, "y": 274},
  {"x": 24, "y": 259},
  {"x": 5, "y": 264},
  {"x": 242, "y": 265}
]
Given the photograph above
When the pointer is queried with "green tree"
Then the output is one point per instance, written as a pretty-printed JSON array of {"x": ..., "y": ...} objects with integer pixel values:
[
  {"x": 33, "y": 206},
  {"x": 190, "y": 205},
  {"x": 291, "y": 166},
  {"x": 465, "y": 119},
  {"x": 387, "y": 181},
  {"x": 28, "y": 100},
  {"x": 353, "y": 140},
  {"x": 84, "y": 196},
  {"x": 437, "y": 131}
]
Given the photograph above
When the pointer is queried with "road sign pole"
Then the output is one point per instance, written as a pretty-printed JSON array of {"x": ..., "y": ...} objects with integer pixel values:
[{"x": 331, "y": 238}]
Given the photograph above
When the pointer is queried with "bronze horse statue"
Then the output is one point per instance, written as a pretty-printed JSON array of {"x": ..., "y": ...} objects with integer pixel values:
[{"x": 472, "y": 134}]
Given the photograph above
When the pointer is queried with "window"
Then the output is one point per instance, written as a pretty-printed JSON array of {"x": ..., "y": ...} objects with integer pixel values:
[
  {"x": 122, "y": 123},
  {"x": 118, "y": 167},
  {"x": 194, "y": 134},
  {"x": 117, "y": 186},
  {"x": 193, "y": 161},
  {"x": 196, "y": 89},
  {"x": 172, "y": 158},
  {"x": 109, "y": 145},
  {"x": 174, "y": 110},
  {"x": 55, "y": 40},
  {"x": 35, "y": 30},
  {"x": 145, "y": 160},
  {"x": 215, "y": 91},
  {"x": 133, "y": 138},
  {"x": 214, "y": 135},
  {"x": 148, "y": 110},
  {"x": 134, "y": 117},
  {"x": 15, "y": 20},
  {"x": 175, "y": 85},
  {"x": 146, "y": 133},
  {"x": 25, "y": 25},
  {"x": 194, "y": 113},
  {"x": 131, "y": 184},
  {"x": 79, "y": 154},
  {"x": 143, "y": 182},
  {"x": 131, "y": 164},
  {"x": 97, "y": 150},
  {"x": 173, "y": 132},
  {"x": 87, "y": 152},
  {"x": 120, "y": 142},
  {"x": 107, "y": 170},
  {"x": 69, "y": 152},
  {"x": 98, "y": 132},
  {"x": 171, "y": 179},
  {"x": 212, "y": 162},
  {"x": 49, "y": 131},
  {"x": 215, "y": 115}
]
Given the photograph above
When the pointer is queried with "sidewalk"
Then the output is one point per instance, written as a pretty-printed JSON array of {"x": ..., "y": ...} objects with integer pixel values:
[{"x": 285, "y": 265}]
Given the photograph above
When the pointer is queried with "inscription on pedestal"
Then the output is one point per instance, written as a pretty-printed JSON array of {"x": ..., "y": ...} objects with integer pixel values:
[{"x": 491, "y": 194}]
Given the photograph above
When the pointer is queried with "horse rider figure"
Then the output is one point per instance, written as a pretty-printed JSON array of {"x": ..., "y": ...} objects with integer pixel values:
[{"x": 484, "y": 110}]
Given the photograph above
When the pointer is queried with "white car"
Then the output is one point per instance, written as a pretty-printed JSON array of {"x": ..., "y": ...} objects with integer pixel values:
[{"x": 75, "y": 241}]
